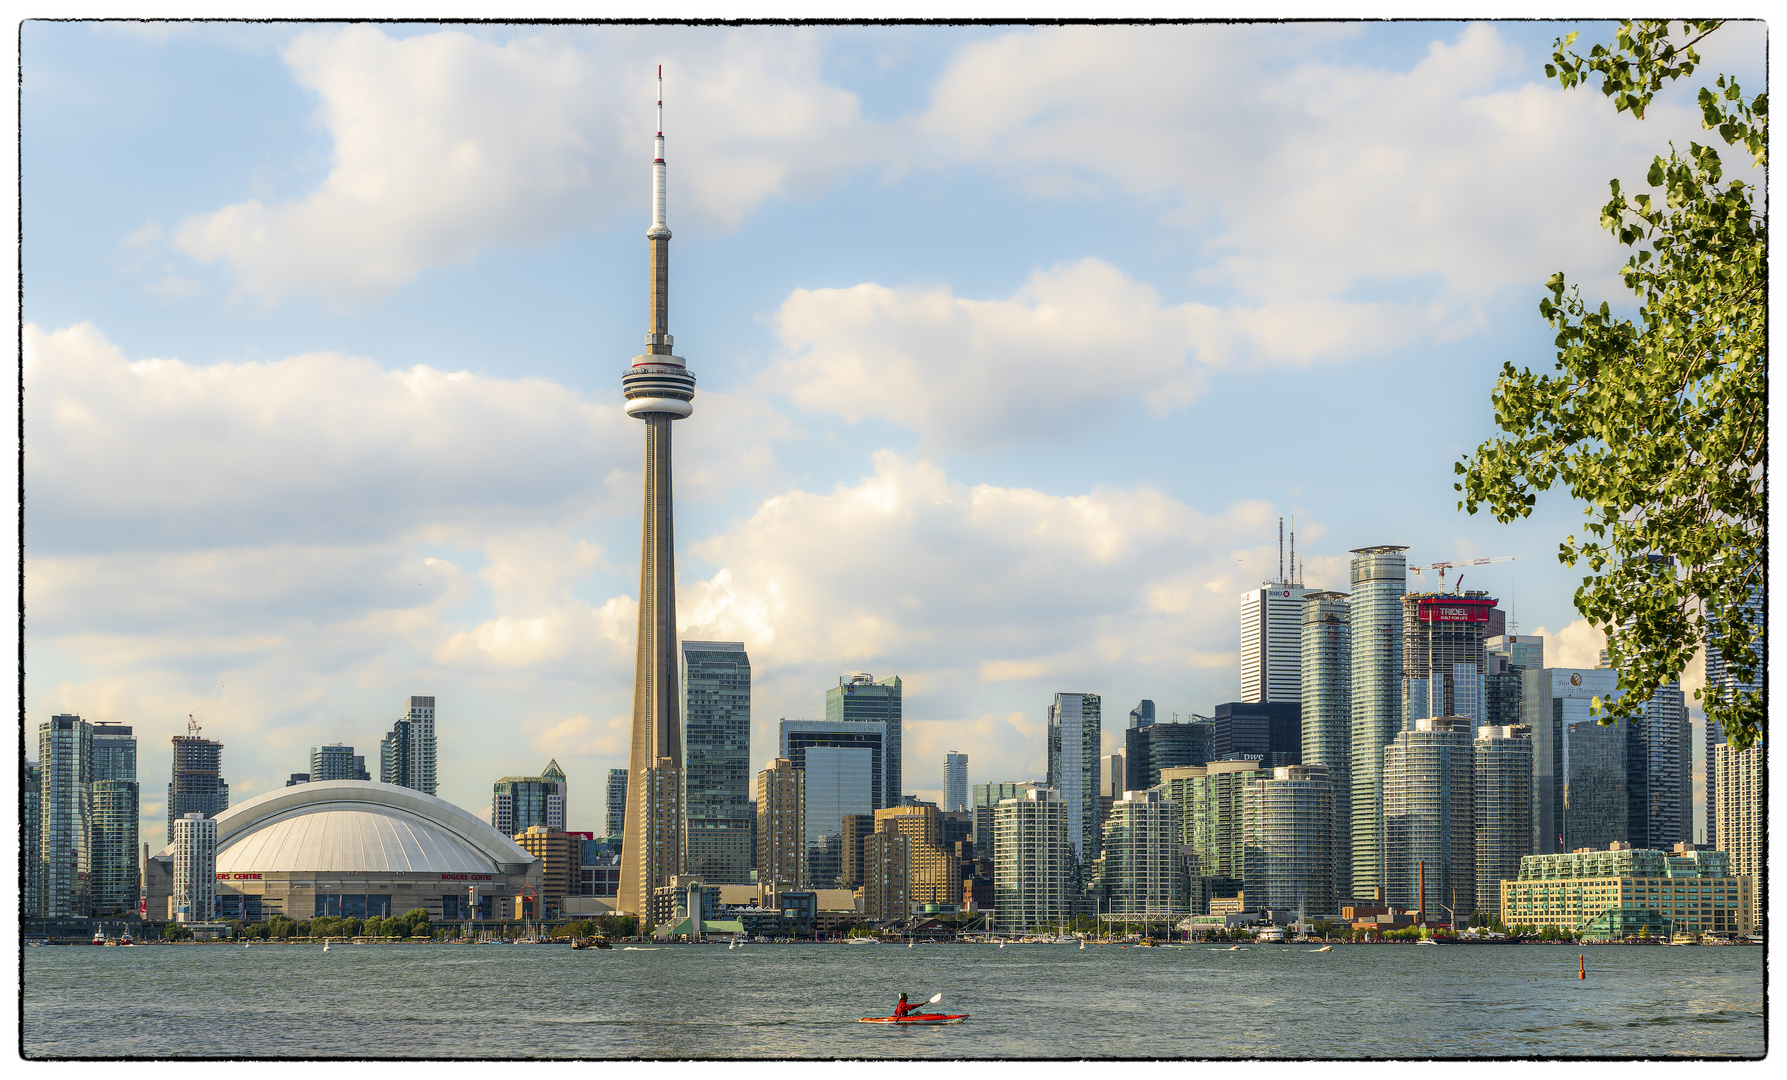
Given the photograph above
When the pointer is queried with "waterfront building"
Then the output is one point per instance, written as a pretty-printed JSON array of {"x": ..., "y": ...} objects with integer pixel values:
[
  {"x": 357, "y": 848},
  {"x": 859, "y": 699},
  {"x": 781, "y": 825},
  {"x": 1579, "y": 766},
  {"x": 197, "y": 786},
  {"x": 614, "y": 821},
  {"x": 1443, "y": 654},
  {"x": 1032, "y": 864},
  {"x": 1288, "y": 840},
  {"x": 1075, "y": 733},
  {"x": 986, "y": 797},
  {"x": 932, "y": 873},
  {"x": 560, "y": 856},
  {"x": 1622, "y": 892},
  {"x": 1141, "y": 872},
  {"x": 65, "y": 808},
  {"x": 1217, "y": 833},
  {"x": 1505, "y": 656},
  {"x": 518, "y": 803},
  {"x": 116, "y": 799},
  {"x": 1272, "y": 642},
  {"x": 1326, "y": 716},
  {"x": 955, "y": 781},
  {"x": 31, "y": 840},
  {"x": 1374, "y": 611},
  {"x": 337, "y": 762},
  {"x": 1503, "y": 762},
  {"x": 195, "y": 868},
  {"x": 407, "y": 753},
  {"x": 1269, "y": 731},
  {"x": 717, "y": 768},
  {"x": 1743, "y": 806},
  {"x": 1430, "y": 834},
  {"x": 1147, "y": 750}
]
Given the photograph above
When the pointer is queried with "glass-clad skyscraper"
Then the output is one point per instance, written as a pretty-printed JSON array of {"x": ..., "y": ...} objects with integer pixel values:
[
  {"x": 65, "y": 808},
  {"x": 1288, "y": 840},
  {"x": 1141, "y": 874},
  {"x": 518, "y": 803},
  {"x": 1503, "y": 761},
  {"x": 955, "y": 782},
  {"x": 1075, "y": 732},
  {"x": 1147, "y": 750},
  {"x": 1430, "y": 833},
  {"x": 1327, "y": 718},
  {"x": 1579, "y": 766},
  {"x": 838, "y": 784},
  {"x": 1379, "y": 580},
  {"x": 860, "y": 699},
  {"x": 615, "y": 822},
  {"x": 987, "y": 796},
  {"x": 717, "y": 761},
  {"x": 116, "y": 799}
]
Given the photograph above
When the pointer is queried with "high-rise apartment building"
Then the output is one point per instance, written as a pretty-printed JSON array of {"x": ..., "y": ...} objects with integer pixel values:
[
  {"x": 337, "y": 762},
  {"x": 955, "y": 781},
  {"x": 1430, "y": 834},
  {"x": 781, "y": 825},
  {"x": 195, "y": 868},
  {"x": 615, "y": 821},
  {"x": 1075, "y": 732},
  {"x": 1723, "y": 681},
  {"x": 1147, "y": 750},
  {"x": 1374, "y": 612},
  {"x": 857, "y": 828},
  {"x": 1272, "y": 642},
  {"x": 31, "y": 840},
  {"x": 931, "y": 872},
  {"x": 519, "y": 803},
  {"x": 986, "y": 797},
  {"x": 198, "y": 786},
  {"x": 860, "y": 699},
  {"x": 65, "y": 807},
  {"x": 116, "y": 800},
  {"x": 1503, "y": 760},
  {"x": 561, "y": 863},
  {"x": 717, "y": 766},
  {"x": 1217, "y": 830},
  {"x": 1032, "y": 867},
  {"x": 407, "y": 754},
  {"x": 1326, "y": 715},
  {"x": 1443, "y": 655},
  {"x": 1579, "y": 766},
  {"x": 1140, "y": 862},
  {"x": 1660, "y": 772},
  {"x": 1268, "y": 731},
  {"x": 1287, "y": 824},
  {"x": 1742, "y": 810}
]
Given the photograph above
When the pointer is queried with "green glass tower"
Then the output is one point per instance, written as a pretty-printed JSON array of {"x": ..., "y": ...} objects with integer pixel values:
[{"x": 860, "y": 697}]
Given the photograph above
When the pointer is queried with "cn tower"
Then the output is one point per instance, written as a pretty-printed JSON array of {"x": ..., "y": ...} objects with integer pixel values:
[{"x": 659, "y": 390}]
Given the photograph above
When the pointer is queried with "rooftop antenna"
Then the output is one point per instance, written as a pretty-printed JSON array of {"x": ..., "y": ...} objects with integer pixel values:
[
  {"x": 1294, "y": 578},
  {"x": 1280, "y": 549}
]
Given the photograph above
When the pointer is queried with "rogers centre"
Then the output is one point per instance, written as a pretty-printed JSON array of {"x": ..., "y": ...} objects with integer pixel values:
[{"x": 359, "y": 848}]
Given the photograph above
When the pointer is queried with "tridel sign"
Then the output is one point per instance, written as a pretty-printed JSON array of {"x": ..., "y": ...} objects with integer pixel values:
[{"x": 1455, "y": 610}]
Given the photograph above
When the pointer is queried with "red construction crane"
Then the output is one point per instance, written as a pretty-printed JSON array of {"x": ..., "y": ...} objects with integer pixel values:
[{"x": 1442, "y": 567}]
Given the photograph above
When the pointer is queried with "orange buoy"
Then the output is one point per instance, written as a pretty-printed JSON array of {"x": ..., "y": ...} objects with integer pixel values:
[{"x": 1581, "y": 966}]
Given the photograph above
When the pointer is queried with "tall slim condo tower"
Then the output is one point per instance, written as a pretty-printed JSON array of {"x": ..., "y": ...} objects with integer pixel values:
[{"x": 659, "y": 390}]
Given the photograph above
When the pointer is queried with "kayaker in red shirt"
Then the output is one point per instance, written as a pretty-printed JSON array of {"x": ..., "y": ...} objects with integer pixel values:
[{"x": 903, "y": 1008}]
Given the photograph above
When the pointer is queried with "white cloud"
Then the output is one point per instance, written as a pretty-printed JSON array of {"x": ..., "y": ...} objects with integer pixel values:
[
  {"x": 1577, "y": 645},
  {"x": 446, "y": 146}
]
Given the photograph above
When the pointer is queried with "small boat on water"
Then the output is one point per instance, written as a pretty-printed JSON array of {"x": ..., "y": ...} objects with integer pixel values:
[
  {"x": 1427, "y": 941},
  {"x": 915, "y": 1019},
  {"x": 1324, "y": 948},
  {"x": 325, "y": 944},
  {"x": 99, "y": 938},
  {"x": 862, "y": 941}
]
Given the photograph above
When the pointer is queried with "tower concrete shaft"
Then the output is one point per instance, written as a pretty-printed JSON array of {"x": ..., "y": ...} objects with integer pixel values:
[{"x": 659, "y": 389}]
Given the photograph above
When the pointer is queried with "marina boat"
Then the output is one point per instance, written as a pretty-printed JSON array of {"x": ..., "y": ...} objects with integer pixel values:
[
  {"x": 1271, "y": 934},
  {"x": 862, "y": 941},
  {"x": 99, "y": 938}
]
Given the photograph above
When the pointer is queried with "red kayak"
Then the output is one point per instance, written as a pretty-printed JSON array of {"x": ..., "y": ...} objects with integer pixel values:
[{"x": 915, "y": 1018}]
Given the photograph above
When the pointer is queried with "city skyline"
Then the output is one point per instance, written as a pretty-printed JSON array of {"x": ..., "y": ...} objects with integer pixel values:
[{"x": 916, "y": 462}]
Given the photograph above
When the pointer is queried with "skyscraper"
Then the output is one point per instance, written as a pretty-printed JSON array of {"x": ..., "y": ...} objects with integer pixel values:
[
  {"x": 660, "y": 390},
  {"x": 1443, "y": 655},
  {"x": 407, "y": 753},
  {"x": 116, "y": 799},
  {"x": 1216, "y": 833},
  {"x": 1503, "y": 760},
  {"x": 1327, "y": 714},
  {"x": 1032, "y": 864},
  {"x": 1147, "y": 750},
  {"x": 860, "y": 699},
  {"x": 1287, "y": 824},
  {"x": 31, "y": 839},
  {"x": 1272, "y": 642},
  {"x": 1374, "y": 610},
  {"x": 1140, "y": 861},
  {"x": 1430, "y": 832},
  {"x": 955, "y": 782},
  {"x": 518, "y": 803},
  {"x": 1143, "y": 714},
  {"x": 1723, "y": 683},
  {"x": 195, "y": 868},
  {"x": 1660, "y": 773},
  {"x": 781, "y": 825},
  {"x": 1271, "y": 731},
  {"x": 1579, "y": 767},
  {"x": 986, "y": 797},
  {"x": 1075, "y": 732},
  {"x": 337, "y": 762},
  {"x": 1505, "y": 656},
  {"x": 1743, "y": 806},
  {"x": 65, "y": 807},
  {"x": 717, "y": 761},
  {"x": 615, "y": 823},
  {"x": 198, "y": 786}
]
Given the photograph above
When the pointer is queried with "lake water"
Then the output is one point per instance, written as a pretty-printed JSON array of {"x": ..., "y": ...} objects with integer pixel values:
[{"x": 770, "y": 1001}]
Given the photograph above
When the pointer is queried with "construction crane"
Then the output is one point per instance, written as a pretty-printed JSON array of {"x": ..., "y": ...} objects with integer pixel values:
[{"x": 1442, "y": 567}]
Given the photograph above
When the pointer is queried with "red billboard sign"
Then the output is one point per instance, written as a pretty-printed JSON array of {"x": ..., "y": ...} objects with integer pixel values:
[{"x": 1455, "y": 610}]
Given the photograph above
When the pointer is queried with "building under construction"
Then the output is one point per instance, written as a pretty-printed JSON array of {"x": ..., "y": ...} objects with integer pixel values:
[{"x": 1443, "y": 657}]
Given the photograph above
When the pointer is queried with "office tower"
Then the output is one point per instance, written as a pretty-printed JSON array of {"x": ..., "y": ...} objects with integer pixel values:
[
  {"x": 65, "y": 808},
  {"x": 1443, "y": 654},
  {"x": 195, "y": 868},
  {"x": 407, "y": 753},
  {"x": 1660, "y": 772},
  {"x": 1272, "y": 642},
  {"x": 659, "y": 390},
  {"x": 1430, "y": 834},
  {"x": 1075, "y": 731},
  {"x": 842, "y": 762},
  {"x": 1217, "y": 834},
  {"x": 1503, "y": 760},
  {"x": 781, "y": 825},
  {"x": 1140, "y": 872},
  {"x": 561, "y": 863},
  {"x": 1505, "y": 656},
  {"x": 1374, "y": 613},
  {"x": 716, "y": 761},
  {"x": 857, "y": 828},
  {"x": 198, "y": 786},
  {"x": 1743, "y": 806},
  {"x": 31, "y": 840},
  {"x": 115, "y": 799},
  {"x": 1579, "y": 767},
  {"x": 1163, "y": 745},
  {"x": 1287, "y": 823},
  {"x": 1271, "y": 731},
  {"x": 860, "y": 699},
  {"x": 987, "y": 796},
  {"x": 1142, "y": 715},
  {"x": 1326, "y": 715},
  {"x": 518, "y": 803},
  {"x": 869, "y": 737},
  {"x": 615, "y": 823},
  {"x": 955, "y": 781},
  {"x": 1113, "y": 777},
  {"x": 932, "y": 873},
  {"x": 1032, "y": 867},
  {"x": 337, "y": 762}
]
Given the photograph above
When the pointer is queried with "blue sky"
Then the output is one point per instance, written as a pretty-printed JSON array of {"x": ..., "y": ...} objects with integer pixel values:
[{"x": 1013, "y": 345}]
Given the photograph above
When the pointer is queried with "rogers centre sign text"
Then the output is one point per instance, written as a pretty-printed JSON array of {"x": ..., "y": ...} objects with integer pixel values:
[{"x": 467, "y": 877}]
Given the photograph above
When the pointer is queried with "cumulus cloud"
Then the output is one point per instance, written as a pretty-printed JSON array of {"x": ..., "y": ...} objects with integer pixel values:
[
  {"x": 1075, "y": 345},
  {"x": 446, "y": 145}
]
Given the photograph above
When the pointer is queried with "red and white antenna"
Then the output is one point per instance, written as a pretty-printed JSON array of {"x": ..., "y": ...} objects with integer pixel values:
[{"x": 660, "y": 226}]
